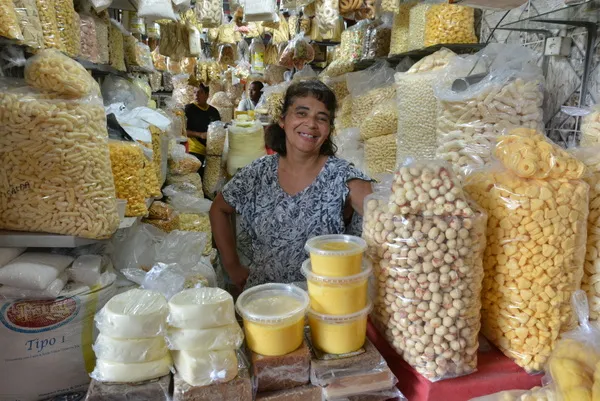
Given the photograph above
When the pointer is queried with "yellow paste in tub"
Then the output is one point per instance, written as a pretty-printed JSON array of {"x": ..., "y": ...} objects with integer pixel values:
[
  {"x": 338, "y": 338},
  {"x": 274, "y": 339},
  {"x": 337, "y": 299},
  {"x": 336, "y": 265}
]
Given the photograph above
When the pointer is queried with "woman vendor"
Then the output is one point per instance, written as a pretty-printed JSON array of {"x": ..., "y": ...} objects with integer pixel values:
[{"x": 285, "y": 199}]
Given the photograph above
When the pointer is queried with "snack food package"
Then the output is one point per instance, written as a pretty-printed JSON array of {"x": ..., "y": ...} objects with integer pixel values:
[
  {"x": 166, "y": 225},
  {"x": 449, "y": 23},
  {"x": 46, "y": 186},
  {"x": 426, "y": 248},
  {"x": 210, "y": 13},
  {"x": 102, "y": 38},
  {"x": 258, "y": 10},
  {"x": 47, "y": 14},
  {"x": 536, "y": 240},
  {"x": 377, "y": 41},
  {"x": 351, "y": 45},
  {"x": 127, "y": 161},
  {"x": 53, "y": 72},
  {"x": 89, "y": 39},
  {"x": 273, "y": 97},
  {"x": 510, "y": 95},
  {"x": 297, "y": 53},
  {"x": 417, "y": 26},
  {"x": 160, "y": 211},
  {"x": 343, "y": 118},
  {"x": 590, "y": 129},
  {"x": 188, "y": 183},
  {"x": 339, "y": 86},
  {"x": 591, "y": 270},
  {"x": 181, "y": 163},
  {"x": 152, "y": 10},
  {"x": 368, "y": 88},
  {"x": 150, "y": 177},
  {"x": 116, "y": 49},
  {"x": 417, "y": 106},
  {"x": 326, "y": 14},
  {"x": 29, "y": 22},
  {"x": 246, "y": 144},
  {"x": 137, "y": 54},
  {"x": 68, "y": 26},
  {"x": 215, "y": 176},
  {"x": 400, "y": 28},
  {"x": 9, "y": 26},
  {"x": 215, "y": 138},
  {"x": 382, "y": 120},
  {"x": 350, "y": 147}
]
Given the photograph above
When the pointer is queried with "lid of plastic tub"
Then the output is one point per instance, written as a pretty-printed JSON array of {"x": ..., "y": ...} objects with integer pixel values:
[
  {"x": 340, "y": 319},
  {"x": 363, "y": 275},
  {"x": 324, "y": 245},
  {"x": 272, "y": 303}
]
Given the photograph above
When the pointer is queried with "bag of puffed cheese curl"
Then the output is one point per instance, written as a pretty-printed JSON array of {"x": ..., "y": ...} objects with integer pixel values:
[
  {"x": 536, "y": 246},
  {"x": 426, "y": 241},
  {"x": 50, "y": 70},
  {"x": 510, "y": 95},
  {"x": 63, "y": 184},
  {"x": 574, "y": 366}
]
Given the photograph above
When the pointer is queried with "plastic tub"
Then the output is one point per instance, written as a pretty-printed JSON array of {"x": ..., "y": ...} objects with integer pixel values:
[
  {"x": 121, "y": 206},
  {"x": 336, "y": 255},
  {"x": 337, "y": 295},
  {"x": 339, "y": 334},
  {"x": 273, "y": 318}
]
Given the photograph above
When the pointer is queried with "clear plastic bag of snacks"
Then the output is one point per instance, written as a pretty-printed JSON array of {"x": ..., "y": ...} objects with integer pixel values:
[
  {"x": 449, "y": 23},
  {"x": 215, "y": 138},
  {"x": 29, "y": 21},
  {"x": 426, "y": 247},
  {"x": 89, "y": 39},
  {"x": 9, "y": 26},
  {"x": 510, "y": 95},
  {"x": 400, "y": 28},
  {"x": 210, "y": 13},
  {"x": 127, "y": 162},
  {"x": 297, "y": 53},
  {"x": 536, "y": 244}
]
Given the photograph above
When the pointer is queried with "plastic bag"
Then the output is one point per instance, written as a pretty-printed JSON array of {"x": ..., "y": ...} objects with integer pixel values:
[
  {"x": 29, "y": 22},
  {"x": 127, "y": 161},
  {"x": 181, "y": 163},
  {"x": 535, "y": 254},
  {"x": 160, "y": 210},
  {"x": 9, "y": 26},
  {"x": 188, "y": 183},
  {"x": 338, "y": 86},
  {"x": 214, "y": 177},
  {"x": 326, "y": 14},
  {"x": 260, "y": 10},
  {"x": 119, "y": 90},
  {"x": 52, "y": 71},
  {"x": 89, "y": 39},
  {"x": 274, "y": 74},
  {"x": 400, "y": 28},
  {"x": 368, "y": 88},
  {"x": 56, "y": 169},
  {"x": 511, "y": 95},
  {"x": 417, "y": 25},
  {"x": 246, "y": 144},
  {"x": 136, "y": 251},
  {"x": 137, "y": 55},
  {"x": 101, "y": 5},
  {"x": 305, "y": 74},
  {"x": 382, "y": 120},
  {"x": 68, "y": 26},
  {"x": 449, "y": 23},
  {"x": 351, "y": 45},
  {"x": 170, "y": 279},
  {"x": 102, "y": 38},
  {"x": 297, "y": 53},
  {"x": 590, "y": 129},
  {"x": 152, "y": 10},
  {"x": 438, "y": 247},
  {"x": 215, "y": 138},
  {"x": 210, "y": 13},
  {"x": 350, "y": 147},
  {"x": 116, "y": 50},
  {"x": 417, "y": 106},
  {"x": 343, "y": 119},
  {"x": 535, "y": 394},
  {"x": 52, "y": 291},
  {"x": 273, "y": 98},
  {"x": 377, "y": 41},
  {"x": 380, "y": 154},
  {"x": 575, "y": 362}
]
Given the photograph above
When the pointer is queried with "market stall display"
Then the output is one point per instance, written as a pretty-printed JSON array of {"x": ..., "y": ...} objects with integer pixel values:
[{"x": 548, "y": 213}]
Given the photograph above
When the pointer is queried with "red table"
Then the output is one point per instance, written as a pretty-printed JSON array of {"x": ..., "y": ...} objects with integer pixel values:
[{"x": 495, "y": 372}]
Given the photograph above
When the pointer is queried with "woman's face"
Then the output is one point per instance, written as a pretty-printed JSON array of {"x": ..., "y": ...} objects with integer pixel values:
[{"x": 306, "y": 124}]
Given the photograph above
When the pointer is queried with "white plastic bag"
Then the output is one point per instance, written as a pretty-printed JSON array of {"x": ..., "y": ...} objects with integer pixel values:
[
  {"x": 50, "y": 292},
  {"x": 34, "y": 270},
  {"x": 350, "y": 147},
  {"x": 153, "y": 10}
]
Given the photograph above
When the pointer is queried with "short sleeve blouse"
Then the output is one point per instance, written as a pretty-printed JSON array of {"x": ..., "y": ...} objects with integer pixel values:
[{"x": 275, "y": 226}]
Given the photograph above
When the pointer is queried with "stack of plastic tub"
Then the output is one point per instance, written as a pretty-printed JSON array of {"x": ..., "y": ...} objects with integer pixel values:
[{"x": 337, "y": 277}]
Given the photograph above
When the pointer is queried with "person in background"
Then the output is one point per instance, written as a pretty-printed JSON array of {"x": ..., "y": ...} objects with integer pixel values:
[
  {"x": 254, "y": 94},
  {"x": 283, "y": 200},
  {"x": 199, "y": 115}
]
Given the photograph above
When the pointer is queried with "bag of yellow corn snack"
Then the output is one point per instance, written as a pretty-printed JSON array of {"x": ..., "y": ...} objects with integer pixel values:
[
  {"x": 574, "y": 365},
  {"x": 538, "y": 207}
]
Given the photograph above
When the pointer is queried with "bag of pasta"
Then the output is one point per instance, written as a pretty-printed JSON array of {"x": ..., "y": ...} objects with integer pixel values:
[
  {"x": 426, "y": 240},
  {"x": 64, "y": 183},
  {"x": 538, "y": 208},
  {"x": 510, "y": 95}
]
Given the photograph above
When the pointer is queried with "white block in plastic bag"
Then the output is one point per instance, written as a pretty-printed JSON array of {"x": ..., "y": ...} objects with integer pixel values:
[
  {"x": 51, "y": 292},
  {"x": 86, "y": 269},
  {"x": 34, "y": 270},
  {"x": 116, "y": 372},
  {"x": 200, "y": 368},
  {"x": 130, "y": 350},
  {"x": 8, "y": 254},
  {"x": 201, "y": 308},
  {"x": 133, "y": 314},
  {"x": 223, "y": 338}
]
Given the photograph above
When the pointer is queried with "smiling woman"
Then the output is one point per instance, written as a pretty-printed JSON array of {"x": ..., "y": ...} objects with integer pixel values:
[{"x": 283, "y": 200}]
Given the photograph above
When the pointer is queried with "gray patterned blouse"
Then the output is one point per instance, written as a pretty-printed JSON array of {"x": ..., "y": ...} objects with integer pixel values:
[{"x": 275, "y": 226}]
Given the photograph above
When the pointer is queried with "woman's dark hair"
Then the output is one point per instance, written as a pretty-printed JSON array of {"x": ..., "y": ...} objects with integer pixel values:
[{"x": 275, "y": 135}]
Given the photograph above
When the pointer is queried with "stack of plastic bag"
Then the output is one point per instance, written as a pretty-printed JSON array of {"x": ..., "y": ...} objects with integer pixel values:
[{"x": 538, "y": 208}]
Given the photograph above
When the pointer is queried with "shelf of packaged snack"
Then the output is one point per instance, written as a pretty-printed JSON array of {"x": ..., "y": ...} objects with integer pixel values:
[{"x": 460, "y": 48}]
